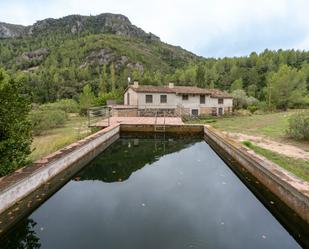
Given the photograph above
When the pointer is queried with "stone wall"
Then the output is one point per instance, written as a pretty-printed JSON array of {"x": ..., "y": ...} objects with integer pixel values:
[{"x": 206, "y": 110}]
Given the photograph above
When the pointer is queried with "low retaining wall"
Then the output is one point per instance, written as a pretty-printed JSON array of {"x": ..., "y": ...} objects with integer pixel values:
[
  {"x": 24, "y": 181},
  {"x": 290, "y": 189}
]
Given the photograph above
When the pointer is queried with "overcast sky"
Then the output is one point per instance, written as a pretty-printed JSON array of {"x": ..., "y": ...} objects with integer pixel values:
[{"x": 211, "y": 28}]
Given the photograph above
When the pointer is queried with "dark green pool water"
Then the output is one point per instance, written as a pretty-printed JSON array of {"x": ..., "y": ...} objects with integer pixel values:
[{"x": 152, "y": 194}]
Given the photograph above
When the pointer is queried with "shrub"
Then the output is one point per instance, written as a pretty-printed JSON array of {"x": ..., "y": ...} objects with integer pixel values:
[
  {"x": 247, "y": 143},
  {"x": 252, "y": 101},
  {"x": 103, "y": 97},
  {"x": 252, "y": 108},
  {"x": 45, "y": 119},
  {"x": 299, "y": 126},
  {"x": 67, "y": 105},
  {"x": 15, "y": 128},
  {"x": 241, "y": 100}
]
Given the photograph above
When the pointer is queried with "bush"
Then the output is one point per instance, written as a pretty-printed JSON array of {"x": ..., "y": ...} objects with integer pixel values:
[
  {"x": 241, "y": 100},
  {"x": 67, "y": 105},
  {"x": 103, "y": 97},
  {"x": 252, "y": 108},
  {"x": 45, "y": 119},
  {"x": 299, "y": 126},
  {"x": 247, "y": 143}
]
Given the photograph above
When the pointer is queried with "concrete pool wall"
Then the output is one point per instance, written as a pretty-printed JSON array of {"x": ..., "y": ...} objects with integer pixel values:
[
  {"x": 291, "y": 190},
  {"x": 25, "y": 180}
]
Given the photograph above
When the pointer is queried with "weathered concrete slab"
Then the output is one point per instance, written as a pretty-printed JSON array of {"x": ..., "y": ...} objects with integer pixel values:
[{"x": 141, "y": 121}]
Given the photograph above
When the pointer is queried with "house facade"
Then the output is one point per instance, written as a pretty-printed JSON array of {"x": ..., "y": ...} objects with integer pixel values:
[{"x": 181, "y": 99}]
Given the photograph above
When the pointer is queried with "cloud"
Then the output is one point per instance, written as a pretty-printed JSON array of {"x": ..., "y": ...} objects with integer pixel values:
[{"x": 206, "y": 27}]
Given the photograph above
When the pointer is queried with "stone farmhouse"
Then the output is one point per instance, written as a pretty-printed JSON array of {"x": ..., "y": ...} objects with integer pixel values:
[{"x": 148, "y": 100}]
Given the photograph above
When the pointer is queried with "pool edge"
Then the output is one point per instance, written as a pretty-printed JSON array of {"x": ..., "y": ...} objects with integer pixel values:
[{"x": 293, "y": 191}]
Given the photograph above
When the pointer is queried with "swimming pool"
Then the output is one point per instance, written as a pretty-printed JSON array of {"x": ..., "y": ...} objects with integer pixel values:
[{"x": 158, "y": 192}]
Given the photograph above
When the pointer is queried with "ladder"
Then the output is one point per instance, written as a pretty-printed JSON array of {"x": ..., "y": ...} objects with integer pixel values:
[{"x": 159, "y": 127}]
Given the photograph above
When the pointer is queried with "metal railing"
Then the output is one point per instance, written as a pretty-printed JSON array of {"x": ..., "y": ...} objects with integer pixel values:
[
  {"x": 159, "y": 127},
  {"x": 99, "y": 114},
  {"x": 181, "y": 112}
]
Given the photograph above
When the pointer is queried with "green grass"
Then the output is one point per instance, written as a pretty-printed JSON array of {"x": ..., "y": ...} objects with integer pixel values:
[
  {"x": 298, "y": 167},
  {"x": 269, "y": 125},
  {"x": 273, "y": 125},
  {"x": 74, "y": 129}
]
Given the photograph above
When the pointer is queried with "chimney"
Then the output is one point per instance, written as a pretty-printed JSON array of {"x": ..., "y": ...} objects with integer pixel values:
[
  {"x": 135, "y": 84},
  {"x": 171, "y": 85}
]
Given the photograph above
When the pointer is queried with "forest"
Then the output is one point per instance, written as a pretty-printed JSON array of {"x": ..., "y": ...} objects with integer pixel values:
[{"x": 60, "y": 66}]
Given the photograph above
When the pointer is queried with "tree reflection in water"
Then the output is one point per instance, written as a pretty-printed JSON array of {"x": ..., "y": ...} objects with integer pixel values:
[
  {"x": 23, "y": 236},
  {"x": 135, "y": 154}
]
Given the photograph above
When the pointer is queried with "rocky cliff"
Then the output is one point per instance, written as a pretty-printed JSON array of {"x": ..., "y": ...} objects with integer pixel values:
[{"x": 77, "y": 25}]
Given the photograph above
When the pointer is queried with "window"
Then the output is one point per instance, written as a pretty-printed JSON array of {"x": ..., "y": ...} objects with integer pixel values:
[
  {"x": 220, "y": 100},
  {"x": 148, "y": 98},
  {"x": 194, "y": 112},
  {"x": 185, "y": 97},
  {"x": 128, "y": 98},
  {"x": 202, "y": 99},
  {"x": 163, "y": 98}
]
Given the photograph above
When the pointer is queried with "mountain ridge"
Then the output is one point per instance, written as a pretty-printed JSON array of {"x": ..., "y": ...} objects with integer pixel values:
[
  {"x": 117, "y": 24},
  {"x": 59, "y": 56}
]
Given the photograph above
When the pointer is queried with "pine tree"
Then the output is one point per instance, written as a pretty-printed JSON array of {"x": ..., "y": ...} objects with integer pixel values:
[
  {"x": 112, "y": 78},
  {"x": 103, "y": 81}
]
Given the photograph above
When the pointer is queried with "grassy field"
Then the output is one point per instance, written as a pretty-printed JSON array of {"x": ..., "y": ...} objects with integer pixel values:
[
  {"x": 297, "y": 166},
  {"x": 273, "y": 125},
  {"x": 74, "y": 129}
]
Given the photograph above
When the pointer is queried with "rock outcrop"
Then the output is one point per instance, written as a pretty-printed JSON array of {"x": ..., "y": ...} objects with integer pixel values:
[
  {"x": 76, "y": 24},
  {"x": 11, "y": 30}
]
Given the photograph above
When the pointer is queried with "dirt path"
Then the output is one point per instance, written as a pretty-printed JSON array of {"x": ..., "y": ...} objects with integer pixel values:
[{"x": 281, "y": 148}]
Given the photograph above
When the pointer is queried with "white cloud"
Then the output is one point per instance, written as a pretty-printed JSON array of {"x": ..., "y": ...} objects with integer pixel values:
[{"x": 207, "y": 27}]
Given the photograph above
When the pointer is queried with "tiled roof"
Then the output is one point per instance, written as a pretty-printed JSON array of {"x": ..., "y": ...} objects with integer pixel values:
[
  {"x": 180, "y": 90},
  {"x": 152, "y": 89}
]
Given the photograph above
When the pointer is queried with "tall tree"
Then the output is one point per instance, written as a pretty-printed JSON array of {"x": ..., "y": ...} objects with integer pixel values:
[
  {"x": 200, "y": 76},
  {"x": 237, "y": 85},
  {"x": 86, "y": 99},
  {"x": 15, "y": 128},
  {"x": 103, "y": 81},
  {"x": 283, "y": 85},
  {"x": 112, "y": 78}
]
